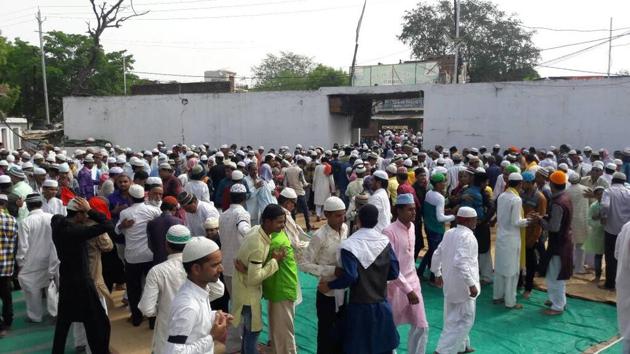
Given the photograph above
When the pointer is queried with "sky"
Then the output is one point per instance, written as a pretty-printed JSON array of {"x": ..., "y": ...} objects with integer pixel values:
[{"x": 187, "y": 37}]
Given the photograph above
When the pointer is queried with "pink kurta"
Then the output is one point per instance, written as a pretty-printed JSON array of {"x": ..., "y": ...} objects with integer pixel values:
[{"x": 403, "y": 240}]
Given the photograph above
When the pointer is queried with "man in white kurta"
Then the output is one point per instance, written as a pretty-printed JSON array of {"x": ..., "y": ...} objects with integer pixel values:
[
  {"x": 380, "y": 200},
  {"x": 197, "y": 211},
  {"x": 579, "y": 225},
  {"x": 36, "y": 256},
  {"x": 320, "y": 260},
  {"x": 510, "y": 221},
  {"x": 622, "y": 254},
  {"x": 193, "y": 325},
  {"x": 456, "y": 266},
  {"x": 323, "y": 187},
  {"x": 234, "y": 224}
]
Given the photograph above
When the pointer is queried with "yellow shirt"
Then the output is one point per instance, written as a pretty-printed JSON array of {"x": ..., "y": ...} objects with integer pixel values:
[
  {"x": 247, "y": 288},
  {"x": 392, "y": 188}
]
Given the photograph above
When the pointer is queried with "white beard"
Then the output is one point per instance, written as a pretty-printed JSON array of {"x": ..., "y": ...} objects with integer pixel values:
[{"x": 155, "y": 203}]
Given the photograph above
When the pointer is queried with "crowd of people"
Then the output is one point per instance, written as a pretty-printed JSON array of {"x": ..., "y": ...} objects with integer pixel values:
[{"x": 199, "y": 237}]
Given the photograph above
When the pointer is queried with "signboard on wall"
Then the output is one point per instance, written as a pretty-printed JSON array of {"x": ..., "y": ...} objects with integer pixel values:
[{"x": 396, "y": 74}]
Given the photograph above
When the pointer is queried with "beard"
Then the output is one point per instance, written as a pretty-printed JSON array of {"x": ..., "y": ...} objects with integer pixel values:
[{"x": 155, "y": 203}]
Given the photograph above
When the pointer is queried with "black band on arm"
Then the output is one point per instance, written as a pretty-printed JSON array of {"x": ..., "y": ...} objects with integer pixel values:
[{"x": 177, "y": 339}]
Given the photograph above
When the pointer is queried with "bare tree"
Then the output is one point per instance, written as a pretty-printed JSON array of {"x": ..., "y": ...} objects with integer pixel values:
[{"x": 107, "y": 16}]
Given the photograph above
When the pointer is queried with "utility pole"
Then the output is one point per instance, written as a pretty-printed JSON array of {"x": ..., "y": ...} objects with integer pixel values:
[
  {"x": 41, "y": 49},
  {"x": 124, "y": 75},
  {"x": 456, "y": 55},
  {"x": 610, "y": 46},
  {"x": 356, "y": 43}
]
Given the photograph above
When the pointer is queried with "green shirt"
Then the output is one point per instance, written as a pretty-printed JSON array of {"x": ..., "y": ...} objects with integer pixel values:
[{"x": 282, "y": 285}]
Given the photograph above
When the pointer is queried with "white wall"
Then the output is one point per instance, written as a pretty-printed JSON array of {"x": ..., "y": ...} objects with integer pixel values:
[
  {"x": 266, "y": 118},
  {"x": 541, "y": 113}
]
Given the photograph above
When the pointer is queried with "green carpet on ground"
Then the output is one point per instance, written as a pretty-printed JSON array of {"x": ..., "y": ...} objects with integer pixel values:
[
  {"x": 615, "y": 349},
  {"x": 496, "y": 329},
  {"x": 31, "y": 338}
]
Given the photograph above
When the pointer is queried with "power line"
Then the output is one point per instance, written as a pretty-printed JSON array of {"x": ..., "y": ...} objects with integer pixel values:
[
  {"x": 573, "y": 29},
  {"x": 572, "y": 54},
  {"x": 574, "y": 44},
  {"x": 226, "y": 16},
  {"x": 6, "y": 14},
  {"x": 575, "y": 70},
  {"x": 15, "y": 23}
]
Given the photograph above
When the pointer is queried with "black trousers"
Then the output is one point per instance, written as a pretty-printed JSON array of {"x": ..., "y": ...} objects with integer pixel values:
[
  {"x": 327, "y": 343},
  {"x": 7, "y": 302},
  {"x": 303, "y": 208},
  {"x": 134, "y": 274},
  {"x": 97, "y": 329},
  {"x": 531, "y": 264},
  {"x": 611, "y": 261},
  {"x": 419, "y": 239}
]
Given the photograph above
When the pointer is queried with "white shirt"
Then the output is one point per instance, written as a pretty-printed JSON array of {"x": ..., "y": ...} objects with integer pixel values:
[
  {"x": 191, "y": 321},
  {"x": 195, "y": 221},
  {"x": 509, "y": 224},
  {"x": 53, "y": 206},
  {"x": 36, "y": 253},
  {"x": 162, "y": 284},
  {"x": 198, "y": 189},
  {"x": 136, "y": 246},
  {"x": 320, "y": 257},
  {"x": 456, "y": 261},
  {"x": 622, "y": 253},
  {"x": 234, "y": 225},
  {"x": 380, "y": 200}
]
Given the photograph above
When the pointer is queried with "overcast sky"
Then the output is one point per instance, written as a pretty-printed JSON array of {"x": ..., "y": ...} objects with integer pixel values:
[{"x": 186, "y": 37}]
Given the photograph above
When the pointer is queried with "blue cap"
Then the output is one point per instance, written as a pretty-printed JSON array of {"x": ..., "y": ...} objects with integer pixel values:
[
  {"x": 528, "y": 176},
  {"x": 405, "y": 199}
]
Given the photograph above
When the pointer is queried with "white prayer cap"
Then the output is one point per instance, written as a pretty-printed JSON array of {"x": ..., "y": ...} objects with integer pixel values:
[
  {"x": 5, "y": 179},
  {"x": 136, "y": 191},
  {"x": 381, "y": 174},
  {"x": 108, "y": 145},
  {"x": 189, "y": 153},
  {"x": 4, "y": 197},
  {"x": 611, "y": 166},
  {"x": 219, "y": 154},
  {"x": 564, "y": 167},
  {"x": 137, "y": 162},
  {"x": 111, "y": 160},
  {"x": 333, "y": 204},
  {"x": 572, "y": 152},
  {"x": 121, "y": 160},
  {"x": 197, "y": 248},
  {"x": 237, "y": 175},
  {"x": 619, "y": 176},
  {"x": 440, "y": 161},
  {"x": 50, "y": 158},
  {"x": 467, "y": 212},
  {"x": 38, "y": 156},
  {"x": 289, "y": 193},
  {"x": 598, "y": 164},
  {"x": 261, "y": 148},
  {"x": 240, "y": 164},
  {"x": 408, "y": 163},
  {"x": 26, "y": 155},
  {"x": 391, "y": 168},
  {"x": 588, "y": 148},
  {"x": 88, "y": 158},
  {"x": 211, "y": 223},
  {"x": 238, "y": 188},
  {"x": 165, "y": 166},
  {"x": 361, "y": 169},
  {"x": 39, "y": 171},
  {"x": 62, "y": 157},
  {"x": 27, "y": 165},
  {"x": 64, "y": 168},
  {"x": 225, "y": 146},
  {"x": 505, "y": 163},
  {"x": 514, "y": 176},
  {"x": 154, "y": 181},
  {"x": 116, "y": 170},
  {"x": 178, "y": 234},
  {"x": 148, "y": 153},
  {"x": 11, "y": 158},
  {"x": 357, "y": 162},
  {"x": 50, "y": 183},
  {"x": 618, "y": 162},
  {"x": 4, "y": 163},
  {"x": 415, "y": 151}
]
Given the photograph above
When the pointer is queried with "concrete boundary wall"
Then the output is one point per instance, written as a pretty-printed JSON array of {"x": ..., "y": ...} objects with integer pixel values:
[{"x": 540, "y": 113}]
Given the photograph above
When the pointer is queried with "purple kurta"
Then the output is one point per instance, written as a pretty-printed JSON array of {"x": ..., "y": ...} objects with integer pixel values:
[{"x": 403, "y": 240}]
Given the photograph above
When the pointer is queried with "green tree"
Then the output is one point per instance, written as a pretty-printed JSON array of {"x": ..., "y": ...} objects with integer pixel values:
[
  {"x": 290, "y": 71},
  {"x": 66, "y": 58},
  {"x": 493, "y": 43},
  {"x": 8, "y": 94}
]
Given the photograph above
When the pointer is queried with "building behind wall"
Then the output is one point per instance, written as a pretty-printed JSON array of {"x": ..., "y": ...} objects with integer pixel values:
[{"x": 11, "y": 130}]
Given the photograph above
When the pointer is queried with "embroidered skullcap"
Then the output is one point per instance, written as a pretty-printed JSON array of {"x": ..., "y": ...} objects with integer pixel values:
[
  {"x": 16, "y": 172},
  {"x": 381, "y": 175},
  {"x": 184, "y": 198},
  {"x": 197, "y": 248},
  {"x": 528, "y": 176},
  {"x": 33, "y": 197},
  {"x": 136, "y": 191},
  {"x": 154, "y": 181},
  {"x": 178, "y": 234},
  {"x": 238, "y": 188}
]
